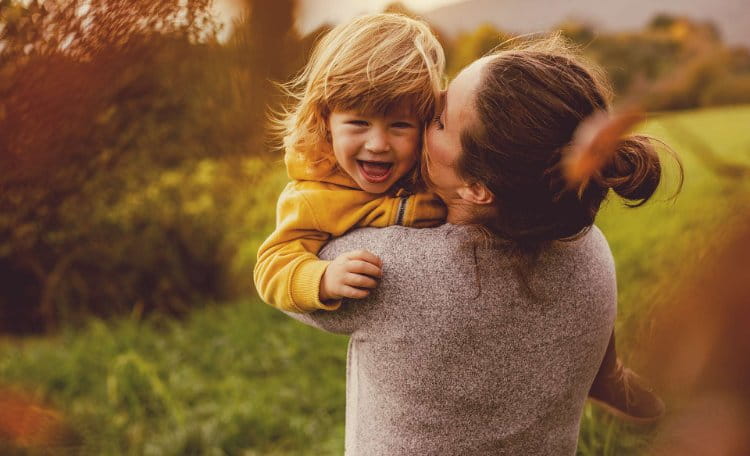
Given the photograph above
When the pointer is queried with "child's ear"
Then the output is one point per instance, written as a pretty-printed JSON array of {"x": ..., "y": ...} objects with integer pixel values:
[{"x": 476, "y": 193}]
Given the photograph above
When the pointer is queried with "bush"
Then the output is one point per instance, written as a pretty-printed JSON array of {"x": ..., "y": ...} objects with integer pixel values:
[
  {"x": 732, "y": 89},
  {"x": 131, "y": 158}
]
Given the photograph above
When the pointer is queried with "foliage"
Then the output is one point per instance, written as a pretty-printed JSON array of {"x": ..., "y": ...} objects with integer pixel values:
[
  {"x": 87, "y": 28},
  {"x": 127, "y": 154},
  {"x": 470, "y": 46},
  {"x": 727, "y": 90},
  {"x": 669, "y": 64},
  {"x": 217, "y": 383},
  {"x": 673, "y": 63}
]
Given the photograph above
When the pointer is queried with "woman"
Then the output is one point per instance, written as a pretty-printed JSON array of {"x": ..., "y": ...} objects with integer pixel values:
[{"x": 486, "y": 333}]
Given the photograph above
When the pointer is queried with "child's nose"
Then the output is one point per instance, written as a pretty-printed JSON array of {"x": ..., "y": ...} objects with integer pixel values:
[{"x": 377, "y": 141}]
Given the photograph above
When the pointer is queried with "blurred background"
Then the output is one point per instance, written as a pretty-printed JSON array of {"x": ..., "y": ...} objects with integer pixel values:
[{"x": 137, "y": 181}]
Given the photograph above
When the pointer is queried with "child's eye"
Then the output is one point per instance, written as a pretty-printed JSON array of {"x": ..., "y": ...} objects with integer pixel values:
[
  {"x": 402, "y": 125},
  {"x": 438, "y": 122},
  {"x": 357, "y": 123}
]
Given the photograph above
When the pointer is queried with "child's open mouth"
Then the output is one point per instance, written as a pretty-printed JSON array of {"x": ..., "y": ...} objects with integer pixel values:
[{"x": 375, "y": 172}]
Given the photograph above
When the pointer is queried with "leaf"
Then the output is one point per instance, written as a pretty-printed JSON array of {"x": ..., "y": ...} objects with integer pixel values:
[{"x": 594, "y": 144}]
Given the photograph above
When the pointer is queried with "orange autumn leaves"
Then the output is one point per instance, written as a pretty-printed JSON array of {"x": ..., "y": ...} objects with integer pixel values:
[
  {"x": 594, "y": 144},
  {"x": 25, "y": 423},
  {"x": 699, "y": 351}
]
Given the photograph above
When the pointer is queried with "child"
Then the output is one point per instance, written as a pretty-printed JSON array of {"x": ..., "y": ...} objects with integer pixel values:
[{"x": 352, "y": 141}]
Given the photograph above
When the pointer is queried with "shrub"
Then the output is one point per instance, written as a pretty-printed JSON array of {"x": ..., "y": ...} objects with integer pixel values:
[{"x": 732, "y": 89}]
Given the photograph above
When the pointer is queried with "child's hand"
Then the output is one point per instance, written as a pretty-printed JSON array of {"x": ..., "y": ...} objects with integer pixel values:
[{"x": 349, "y": 275}]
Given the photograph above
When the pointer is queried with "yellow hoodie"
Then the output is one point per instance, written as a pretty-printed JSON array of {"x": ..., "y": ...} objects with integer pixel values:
[{"x": 319, "y": 203}]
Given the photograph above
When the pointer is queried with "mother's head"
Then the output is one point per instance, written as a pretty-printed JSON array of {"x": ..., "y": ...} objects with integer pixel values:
[{"x": 494, "y": 151}]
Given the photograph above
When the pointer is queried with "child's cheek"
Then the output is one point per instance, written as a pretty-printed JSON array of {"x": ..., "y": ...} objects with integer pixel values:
[
  {"x": 414, "y": 144},
  {"x": 409, "y": 150}
]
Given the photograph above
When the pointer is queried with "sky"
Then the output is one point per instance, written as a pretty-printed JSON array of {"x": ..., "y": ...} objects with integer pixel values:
[{"x": 312, "y": 13}]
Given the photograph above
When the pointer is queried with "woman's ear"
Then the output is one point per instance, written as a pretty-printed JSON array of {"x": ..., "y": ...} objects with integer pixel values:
[{"x": 476, "y": 193}]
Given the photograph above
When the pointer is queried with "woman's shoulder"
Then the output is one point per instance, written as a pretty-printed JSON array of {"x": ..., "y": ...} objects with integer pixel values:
[
  {"x": 580, "y": 266},
  {"x": 585, "y": 258},
  {"x": 591, "y": 246},
  {"x": 396, "y": 241},
  {"x": 450, "y": 242}
]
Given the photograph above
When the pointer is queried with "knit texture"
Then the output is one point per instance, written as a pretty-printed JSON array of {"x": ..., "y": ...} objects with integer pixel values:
[{"x": 453, "y": 355}]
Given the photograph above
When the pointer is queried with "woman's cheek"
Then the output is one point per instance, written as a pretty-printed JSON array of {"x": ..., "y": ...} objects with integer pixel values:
[
  {"x": 434, "y": 139},
  {"x": 434, "y": 151},
  {"x": 434, "y": 173}
]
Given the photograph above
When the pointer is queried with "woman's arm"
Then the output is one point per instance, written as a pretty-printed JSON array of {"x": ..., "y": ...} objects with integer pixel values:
[{"x": 345, "y": 320}]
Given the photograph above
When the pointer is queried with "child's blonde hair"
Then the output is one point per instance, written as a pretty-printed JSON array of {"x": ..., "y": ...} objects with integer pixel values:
[{"x": 370, "y": 64}]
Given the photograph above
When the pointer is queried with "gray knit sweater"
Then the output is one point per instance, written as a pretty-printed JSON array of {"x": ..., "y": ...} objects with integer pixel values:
[{"x": 451, "y": 356}]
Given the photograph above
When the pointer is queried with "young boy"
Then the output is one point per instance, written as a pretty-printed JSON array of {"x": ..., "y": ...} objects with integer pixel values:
[{"x": 352, "y": 141}]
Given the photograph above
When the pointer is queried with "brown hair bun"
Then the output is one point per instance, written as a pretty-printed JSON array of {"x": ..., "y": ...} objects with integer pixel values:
[{"x": 634, "y": 171}]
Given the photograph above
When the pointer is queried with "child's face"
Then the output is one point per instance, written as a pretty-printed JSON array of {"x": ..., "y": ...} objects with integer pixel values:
[{"x": 375, "y": 150}]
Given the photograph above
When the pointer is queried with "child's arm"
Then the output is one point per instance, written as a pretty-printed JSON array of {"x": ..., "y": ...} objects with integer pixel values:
[{"x": 288, "y": 273}]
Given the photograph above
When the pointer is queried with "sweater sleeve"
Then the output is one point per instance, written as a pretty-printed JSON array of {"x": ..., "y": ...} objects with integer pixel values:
[
  {"x": 288, "y": 272},
  {"x": 343, "y": 321},
  {"x": 357, "y": 315}
]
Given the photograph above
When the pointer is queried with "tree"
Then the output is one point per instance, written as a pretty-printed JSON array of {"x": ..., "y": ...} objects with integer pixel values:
[
  {"x": 471, "y": 46},
  {"x": 126, "y": 141}
]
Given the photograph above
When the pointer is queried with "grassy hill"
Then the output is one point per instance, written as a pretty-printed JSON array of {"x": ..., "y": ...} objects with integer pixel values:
[{"x": 243, "y": 378}]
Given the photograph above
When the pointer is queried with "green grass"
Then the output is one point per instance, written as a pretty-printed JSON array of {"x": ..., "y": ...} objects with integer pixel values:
[
  {"x": 232, "y": 378},
  {"x": 244, "y": 379},
  {"x": 656, "y": 246}
]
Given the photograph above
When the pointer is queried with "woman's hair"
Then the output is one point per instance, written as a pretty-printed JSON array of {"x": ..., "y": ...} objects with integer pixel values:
[
  {"x": 372, "y": 64},
  {"x": 528, "y": 106}
]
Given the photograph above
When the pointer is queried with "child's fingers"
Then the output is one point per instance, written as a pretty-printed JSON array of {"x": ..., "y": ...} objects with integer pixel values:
[
  {"x": 364, "y": 255},
  {"x": 360, "y": 281},
  {"x": 362, "y": 267},
  {"x": 355, "y": 293}
]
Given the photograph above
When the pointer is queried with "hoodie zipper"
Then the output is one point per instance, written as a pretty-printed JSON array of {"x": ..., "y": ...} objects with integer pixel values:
[{"x": 401, "y": 210}]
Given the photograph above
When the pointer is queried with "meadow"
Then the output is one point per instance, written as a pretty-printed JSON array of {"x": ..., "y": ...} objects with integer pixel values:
[{"x": 241, "y": 378}]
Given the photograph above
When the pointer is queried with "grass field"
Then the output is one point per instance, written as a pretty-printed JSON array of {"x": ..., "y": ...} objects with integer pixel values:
[{"x": 244, "y": 379}]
